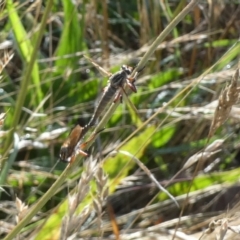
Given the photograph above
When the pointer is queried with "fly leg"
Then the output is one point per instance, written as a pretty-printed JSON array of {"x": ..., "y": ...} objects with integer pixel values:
[
  {"x": 131, "y": 80},
  {"x": 81, "y": 146},
  {"x": 131, "y": 85},
  {"x": 118, "y": 97},
  {"x": 78, "y": 151}
]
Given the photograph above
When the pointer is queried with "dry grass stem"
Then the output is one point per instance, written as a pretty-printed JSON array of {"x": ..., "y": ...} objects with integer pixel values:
[
  {"x": 5, "y": 227},
  {"x": 222, "y": 223},
  {"x": 2, "y": 117},
  {"x": 227, "y": 99},
  {"x": 200, "y": 157},
  {"x": 4, "y": 60},
  {"x": 149, "y": 174},
  {"x": 203, "y": 155},
  {"x": 186, "y": 92},
  {"x": 235, "y": 229},
  {"x": 223, "y": 229}
]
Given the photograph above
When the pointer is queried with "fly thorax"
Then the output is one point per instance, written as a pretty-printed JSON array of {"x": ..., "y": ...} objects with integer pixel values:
[{"x": 118, "y": 79}]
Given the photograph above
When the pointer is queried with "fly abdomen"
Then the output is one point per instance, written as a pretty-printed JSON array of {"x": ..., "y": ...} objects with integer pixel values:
[
  {"x": 68, "y": 147},
  {"x": 70, "y": 143},
  {"x": 106, "y": 98}
]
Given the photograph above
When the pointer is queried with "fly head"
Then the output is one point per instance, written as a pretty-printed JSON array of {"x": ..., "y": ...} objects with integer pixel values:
[{"x": 126, "y": 69}]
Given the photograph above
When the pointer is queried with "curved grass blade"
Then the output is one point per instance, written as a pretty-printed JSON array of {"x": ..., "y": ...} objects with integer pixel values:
[
  {"x": 25, "y": 48},
  {"x": 24, "y": 84}
]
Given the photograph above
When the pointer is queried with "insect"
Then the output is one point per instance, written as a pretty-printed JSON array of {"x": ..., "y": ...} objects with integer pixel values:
[
  {"x": 116, "y": 81},
  {"x": 72, "y": 141}
]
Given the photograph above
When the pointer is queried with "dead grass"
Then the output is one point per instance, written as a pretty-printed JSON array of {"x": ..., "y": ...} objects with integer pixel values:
[{"x": 186, "y": 139}]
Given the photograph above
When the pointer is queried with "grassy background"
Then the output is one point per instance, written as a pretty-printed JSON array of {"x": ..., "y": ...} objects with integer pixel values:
[{"x": 48, "y": 86}]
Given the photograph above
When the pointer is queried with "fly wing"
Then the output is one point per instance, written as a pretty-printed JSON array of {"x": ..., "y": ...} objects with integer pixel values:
[
  {"x": 100, "y": 69},
  {"x": 68, "y": 146},
  {"x": 105, "y": 99},
  {"x": 105, "y": 73}
]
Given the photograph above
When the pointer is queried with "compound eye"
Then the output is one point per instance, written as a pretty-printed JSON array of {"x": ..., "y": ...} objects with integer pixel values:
[
  {"x": 124, "y": 67},
  {"x": 127, "y": 69}
]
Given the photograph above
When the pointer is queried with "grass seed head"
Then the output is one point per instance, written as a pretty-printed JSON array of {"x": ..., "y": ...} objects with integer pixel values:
[{"x": 227, "y": 99}]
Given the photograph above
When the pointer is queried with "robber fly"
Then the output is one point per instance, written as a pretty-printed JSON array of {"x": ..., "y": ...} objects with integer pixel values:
[{"x": 116, "y": 81}]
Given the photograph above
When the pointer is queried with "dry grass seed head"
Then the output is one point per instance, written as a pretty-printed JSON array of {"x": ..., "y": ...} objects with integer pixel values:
[
  {"x": 75, "y": 199},
  {"x": 91, "y": 167},
  {"x": 64, "y": 228},
  {"x": 86, "y": 177},
  {"x": 82, "y": 189},
  {"x": 101, "y": 180},
  {"x": 105, "y": 193},
  {"x": 21, "y": 208},
  {"x": 78, "y": 220},
  {"x": 72, "y": 204},
  {"x": 227, "y": 99},
  {"x": 97, "y": 206},
  {"x": 101, "y": 195},
  {"x": 72, "y": 225}
]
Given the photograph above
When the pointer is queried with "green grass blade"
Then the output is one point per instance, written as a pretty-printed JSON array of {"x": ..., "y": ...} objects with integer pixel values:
[
  {"x": 22, "y": 92},
  {"x": 25, "y": 47},
  {"x": 71, "y": 38}
]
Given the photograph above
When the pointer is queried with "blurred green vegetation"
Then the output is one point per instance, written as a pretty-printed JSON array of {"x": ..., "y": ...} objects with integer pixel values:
[{"x": 64, "y": 87}]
